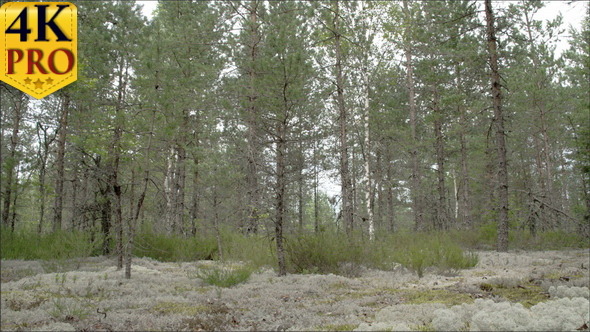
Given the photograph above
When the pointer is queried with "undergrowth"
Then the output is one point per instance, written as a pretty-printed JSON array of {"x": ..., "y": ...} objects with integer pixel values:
[
  {"x": 225, "y": 276},
  {"x": 323, "y": 252},
  {"x": 29, "y": 245}
]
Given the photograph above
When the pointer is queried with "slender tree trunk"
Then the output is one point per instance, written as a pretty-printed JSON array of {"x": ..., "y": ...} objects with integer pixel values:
[
  {"x": 60, "y": 162},
  {"x": 216, "y": 226},
  {"x": 43, "y": 155},
  {"x": 415, "y": 178},
  {"x": 14, "y": 200},
  {"x": 316, "y": 212},
  {"x": 180, "y": 189},
  {"x": 390, "y": 200},
  {"x": 367, "y": 154},
  {"x": 11, "y": 163},
  {"x": 169, "y": 180},
  {"x": 280, "y": 195},
  {"x": 300, "y": 183},
  {"x": 345, "y": 180},
  {"x": 442, "y": 216},
  {"x": 543, "y": 147},
  {"x": 502, "y": 172},
  {"x": 463, "y": 196},
  {"x": 254, "y": 190},
  {"x": 133, "y": 221},
  {"x": 115, "y": 159},
  {"x": 194, "y": 213}
]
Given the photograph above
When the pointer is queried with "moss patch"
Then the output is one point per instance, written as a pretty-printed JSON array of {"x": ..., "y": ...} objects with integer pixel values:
[
  {"x": 434, "y": 296},
  {"x": 527, "y": 295}
]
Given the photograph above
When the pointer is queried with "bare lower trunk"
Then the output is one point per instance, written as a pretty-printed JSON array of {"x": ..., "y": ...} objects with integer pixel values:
[
  {"x": 60, "y": 162},
  {"x": 463, "y": 188},
  {"x": 502, "y": 173},
  {"x": 280, "y": 198},
  {"x": 253, "y": 157},
  {"x": 415, "y": 177},
  {"x": 135, "y": 215},
  {"x": 442, "y": 216},
  {"x": 345, "y": 180},
  {"x": 367, "y": 157},
  {"x": 316, "y": 212},
  {"x": 11, "y": 162}
]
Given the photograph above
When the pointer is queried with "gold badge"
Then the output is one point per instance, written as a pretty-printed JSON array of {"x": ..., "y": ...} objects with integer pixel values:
[{"x": 39, "y": 45}]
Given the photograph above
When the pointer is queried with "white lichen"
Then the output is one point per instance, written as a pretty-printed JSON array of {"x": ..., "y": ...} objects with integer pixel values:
[
  {"x": 568, "y": 292},
  {"x": 564, "y": 314}
]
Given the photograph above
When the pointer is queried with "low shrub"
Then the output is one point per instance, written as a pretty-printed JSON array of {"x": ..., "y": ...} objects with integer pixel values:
[
  {"x": 28, "y": 245},
  {"x": 258, "y": 250},
  {"x": 225, "y": 276},
  {"x": 324, "y": 252},
  {"x": 418, "y": 251},
  {"x": 174, "y": 248}
]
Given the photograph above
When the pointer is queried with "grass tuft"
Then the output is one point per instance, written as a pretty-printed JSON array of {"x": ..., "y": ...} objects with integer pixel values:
[{"x": 225, "y": 276}]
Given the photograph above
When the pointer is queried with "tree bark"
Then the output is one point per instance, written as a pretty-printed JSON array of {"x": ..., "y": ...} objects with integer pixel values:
[
  {"x": 43, "y": 155},
  {"x": 11, "y": 163},
  {"x": 135, "y": 216},
  {"x": 442, "y": 215},
  {"x": 254, "y": 190},
  {"x": 60, "y": 162},
  {"x": 345, "y": 180},
  {"x": 415, "y": 178},
  {"x": 280, "y": 195},
  {"x": 500, "y": 135},
  {"x": 367, "y": 152},
  {"x": 463, "y": 188}
]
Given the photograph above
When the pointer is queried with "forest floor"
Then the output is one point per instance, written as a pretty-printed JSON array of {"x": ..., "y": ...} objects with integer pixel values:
[{"x": 90, "y": 294}]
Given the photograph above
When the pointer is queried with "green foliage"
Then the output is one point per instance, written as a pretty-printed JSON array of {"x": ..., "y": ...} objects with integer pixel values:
[
  {"x": 23, "y": 244},
  {"x": 225, "y": 276},
  {"x": 257, "y": 250},
  {"x": 335, "y": 253},
  {"x": 174, "y": 248},
  {"x": 66, "y": 309},
  {"x": 325, "y": 252},
  {"x": 549, "y": 240},
  {"x": 418, "y": 251}
]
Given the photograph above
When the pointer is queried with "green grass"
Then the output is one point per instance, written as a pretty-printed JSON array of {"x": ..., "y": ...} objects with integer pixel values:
[
  {"x": 174, "y": 248},
  {"x": 324, "y": 252},
  {"x": 29, "y": 245},
  {"x": 225, "y": 276},
  {"x": 485, "y": 236},
  {"x": 338, "y": 254}
]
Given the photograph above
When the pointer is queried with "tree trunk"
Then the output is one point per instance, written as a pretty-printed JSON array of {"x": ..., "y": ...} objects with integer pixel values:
[
  {"x": 502, "y": 172},
  {"x": 280, "y": 196},
  {"x": 345, "y": 181},
  {"x": 442, "y": 216},
  {"x": 11, "y": 162},
  {"x": 133, "y": 221},
  {"x": 415, "y": 178},
  {"x": 115, "y": 158},
  {"x": 316, "y": 212},
  {"x": 543, "y": 147},
  {"x": 300, "y": 183},
  {"x": 59, "y": 163},
  {"x": 367, "y": 154},
  {"x": 254, "y": 190},
  {"x": 194, "y": 212},
  {"x": 463, "y": 188}
]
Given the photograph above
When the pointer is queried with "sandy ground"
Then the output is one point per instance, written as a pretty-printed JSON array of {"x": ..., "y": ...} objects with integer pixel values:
[{"x": 90, "y": 294}]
